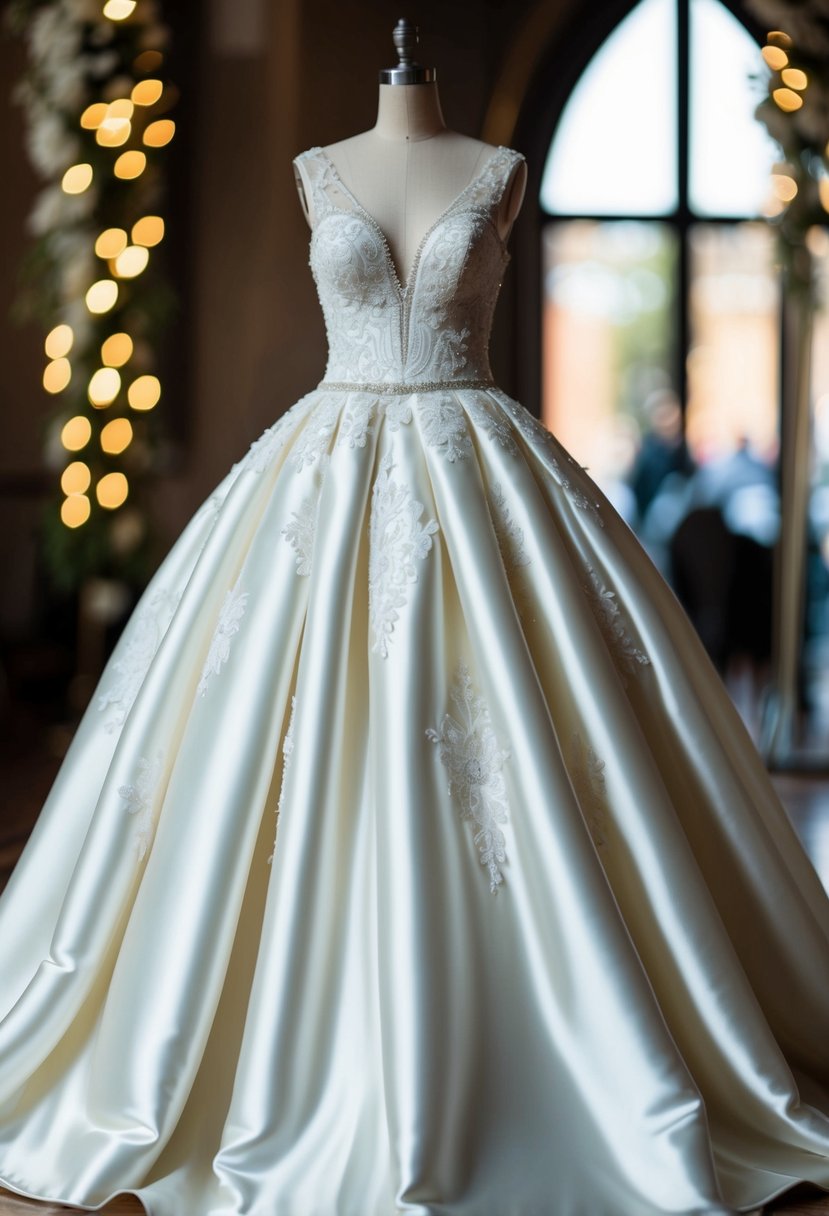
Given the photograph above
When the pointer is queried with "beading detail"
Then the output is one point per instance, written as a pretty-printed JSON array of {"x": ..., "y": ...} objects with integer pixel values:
[{"x": 397, "y": 388}]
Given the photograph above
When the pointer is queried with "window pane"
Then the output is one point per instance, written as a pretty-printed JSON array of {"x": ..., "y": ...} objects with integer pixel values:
[
  {"x": 731, "y": 154},
  {"x": 606, "y": 340},
  {"x": 733, "y": 363},
  {"x": 614, "y": 152}
]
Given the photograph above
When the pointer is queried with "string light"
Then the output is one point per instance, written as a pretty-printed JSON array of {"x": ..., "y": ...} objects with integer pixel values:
[
  {"x": 102, "y": 296},
  {"x": 57, "y": 375},
  {"x": 130, "y": 164},
  {"x": 112, "y": 490},
  {"x": 75, "y": 510},
  {"x": 159, "y": 133},
  {"x": 775, "y": 57},
  {"x": 148, "y": 231},
  {"x": 75, "y": 478},
  {"x": 794, "y": 78},
  {"x": 144, "y": 393},
  {"x": 116, "y": 436},
  {"x": 59, "y": 341},
  {"x": 147, "y": 92},
  {"x": 119, "y": 10},
  {"x": 104, "y": 386},
  {"x": 787, "y": 100},
  {"x": 76, "y": 179},
  {"x": 116, "y": 350},
  {"x": 111, "y": 242},
  {"x": 131, "y": 262},
  {"x": 76, "y": 433}
]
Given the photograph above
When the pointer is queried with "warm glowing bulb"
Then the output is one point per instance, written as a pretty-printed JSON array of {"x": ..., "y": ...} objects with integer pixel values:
[
  {"x": 76, "y": 433},
  {"x": 75, "y": 510},
  {"x": 104, "y": 386},
  {"x": 794, "y": 78},
  {"x": 111, "y": 242},
  {"x": 75, "y": 478},
  {"x": 113, "y": 132},
  {"x": 144, "y": 392},
  {"x": 118, "y": 10},
  {"x": 59, "y": 341},
  {"x": 102, "y": 295},
  {"x": 116, "y": 436},
  {"x": 147, "y": 92},
  {"x": 76, "y": 179},
  {"x": 131, "y": 262},
  {"x": 784, "y": 187},
  {"x": 130, "y": 164},
  {"x": 159, "y": 133},
  {"x": 787, "y": 100},
  {"x": 775, "y": 57},
  {"x": 57, "y": 375},
  {"x": 148, "y": 231},
  {"x": 112, "y": 490},
  {"x": 116, "y": 350},
  {"x": 94, "y": 115}
]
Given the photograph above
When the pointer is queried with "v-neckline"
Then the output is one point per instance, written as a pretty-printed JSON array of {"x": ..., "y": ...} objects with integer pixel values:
[{"x": 403, "y": 289}]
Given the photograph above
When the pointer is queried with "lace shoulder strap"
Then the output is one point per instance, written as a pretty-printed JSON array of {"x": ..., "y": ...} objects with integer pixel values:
[
  {"x": 488, "y": 188},
  {"x": 324, "y": 191}
]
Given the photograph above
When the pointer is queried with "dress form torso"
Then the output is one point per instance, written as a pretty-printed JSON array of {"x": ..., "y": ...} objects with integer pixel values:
[{"x": 409, "y": 167}]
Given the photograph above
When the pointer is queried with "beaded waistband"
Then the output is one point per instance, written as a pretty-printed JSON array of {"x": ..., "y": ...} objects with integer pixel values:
[{"x": 397, "y": 388}]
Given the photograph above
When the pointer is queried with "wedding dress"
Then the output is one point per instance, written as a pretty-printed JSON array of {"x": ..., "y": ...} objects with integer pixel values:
[{"x": 410, "y": 856}]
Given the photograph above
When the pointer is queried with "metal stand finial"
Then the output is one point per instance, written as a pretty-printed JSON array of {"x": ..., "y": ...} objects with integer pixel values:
[{"x": 407, "y": 71}]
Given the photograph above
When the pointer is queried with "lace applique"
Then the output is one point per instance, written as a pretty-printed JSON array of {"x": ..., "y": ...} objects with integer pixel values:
[
  {"x": 144, "y": 634},
  {"x": 510, "y": 539},
  {"x": 287, "y": 752},
  {"x": 496, "y": 427},
  {"x": 264, "y": 449},
  {"x": 543, "y": 444},
  {"x": 474, "y": 760},
  {"x": 140, "y": 798},
  {"x": 356, "y": 425},
  {"x": 609, "y": 617},
  {"x": 442, "y": 423},
  {"x": 230, "y": 615},
  {"x": 301, "y": 531},
  {"x": 398, "y": 412},
  {"x": 588, "y": 781},
  {"x": 316, "y": 434},
  {"x": 397, "y": 541}
]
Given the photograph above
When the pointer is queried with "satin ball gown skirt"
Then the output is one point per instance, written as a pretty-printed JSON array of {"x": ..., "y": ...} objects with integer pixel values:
[{"x": 411, "y": 856}]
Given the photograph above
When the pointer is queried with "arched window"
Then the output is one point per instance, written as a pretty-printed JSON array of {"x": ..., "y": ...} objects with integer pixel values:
[{"x": 660, "y": 287}]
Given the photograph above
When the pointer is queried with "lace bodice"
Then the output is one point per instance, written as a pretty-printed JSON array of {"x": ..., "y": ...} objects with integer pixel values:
[{"x": 436, "y": 325}]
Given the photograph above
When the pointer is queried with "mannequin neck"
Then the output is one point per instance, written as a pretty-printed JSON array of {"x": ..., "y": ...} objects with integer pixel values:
[{"x": 409, "y": 111}]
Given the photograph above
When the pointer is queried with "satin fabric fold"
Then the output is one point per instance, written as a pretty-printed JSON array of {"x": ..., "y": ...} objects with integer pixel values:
[{"x": 254, "y": 958}]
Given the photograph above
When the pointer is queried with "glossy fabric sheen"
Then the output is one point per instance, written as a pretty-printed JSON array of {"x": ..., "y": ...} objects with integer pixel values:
[{"x": 534, "y": 937}]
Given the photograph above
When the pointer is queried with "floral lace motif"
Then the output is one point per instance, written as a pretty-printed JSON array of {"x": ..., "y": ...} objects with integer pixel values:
[
  {"x": 287, "y": 752},
  {"x": 230, "y": 615},
  {"x": 495, "y": 425},
  {"x": 301, "y": 531},
  {"x": 397, "y": 541},
  {"x": 609, "y": 616},
  {"x": 510, "y": 539},
  {"x": 474, "y": 761},
  {"x": 588, "y": 780},
  {"x": 356, "y": 425},
  {"x": 315, "y": 436},
  {"x": 443, "y": 425},
  {"x": 143, "y": 635},
  {"x": 140, "y": 798}
]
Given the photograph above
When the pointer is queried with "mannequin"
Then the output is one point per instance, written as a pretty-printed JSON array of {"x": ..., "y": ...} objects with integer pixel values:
[{"x": 408, "y": 168}]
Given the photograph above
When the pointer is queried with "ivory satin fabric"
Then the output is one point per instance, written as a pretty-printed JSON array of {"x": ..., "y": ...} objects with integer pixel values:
[{"x": 411, "y": 856}]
